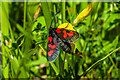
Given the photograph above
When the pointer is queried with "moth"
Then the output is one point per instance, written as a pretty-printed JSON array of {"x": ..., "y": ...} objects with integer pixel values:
[{"x": 60, "y": 37}]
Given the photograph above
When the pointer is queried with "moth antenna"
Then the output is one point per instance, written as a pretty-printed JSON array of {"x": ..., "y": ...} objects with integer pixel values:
[
  {"x": 53, "y": 18},
  {"x": 39, "y": 29},
  {"x": 50, "y": 24}
]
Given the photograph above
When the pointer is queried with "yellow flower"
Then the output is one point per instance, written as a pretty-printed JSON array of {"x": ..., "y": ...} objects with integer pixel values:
[
  {"x": 82, "y": 15},
  {"x": 67, "y": 26}
]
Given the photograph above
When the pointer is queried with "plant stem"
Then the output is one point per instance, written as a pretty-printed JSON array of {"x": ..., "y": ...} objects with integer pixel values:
[
  {"x": 24, "y": 14},
  {"x": 63, "y": 12}
]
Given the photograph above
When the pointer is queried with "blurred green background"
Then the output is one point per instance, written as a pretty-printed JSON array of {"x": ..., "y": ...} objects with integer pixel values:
[
  {"x": 24, "y": 51},
  {"x": 0, "y": 45}
]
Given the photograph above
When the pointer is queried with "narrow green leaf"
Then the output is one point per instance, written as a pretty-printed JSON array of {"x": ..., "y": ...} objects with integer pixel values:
[{"x": 55, "y": 68}]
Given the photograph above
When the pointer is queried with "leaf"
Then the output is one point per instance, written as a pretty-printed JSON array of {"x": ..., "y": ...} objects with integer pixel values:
[
  {"x": 55, "y": 68},
  {"x": 37, "y": 12},
  {"x": 41, "y": 60},
  {"x": 40, "y": 23},
  {"x": 110, "y": 22},
  {"x": 15, "y": 64},
  {"x": 115, "y": 42},
  {"x": 23, "y": 73}
]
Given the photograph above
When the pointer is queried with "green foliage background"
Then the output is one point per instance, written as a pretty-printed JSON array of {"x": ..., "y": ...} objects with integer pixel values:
[{"x": 24, "y": 51}]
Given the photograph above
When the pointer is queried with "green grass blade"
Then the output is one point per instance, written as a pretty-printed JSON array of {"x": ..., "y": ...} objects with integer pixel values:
[{"x": 92, "y": 66}]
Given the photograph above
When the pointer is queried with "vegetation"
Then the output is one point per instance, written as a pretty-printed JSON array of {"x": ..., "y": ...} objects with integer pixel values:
[{"x": 24, "y": 52}]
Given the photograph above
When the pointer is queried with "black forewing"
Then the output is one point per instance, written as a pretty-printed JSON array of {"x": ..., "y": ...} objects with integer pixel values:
[
  {"x": 68, "y": 39},
  {"x": 56, "y": 50}
]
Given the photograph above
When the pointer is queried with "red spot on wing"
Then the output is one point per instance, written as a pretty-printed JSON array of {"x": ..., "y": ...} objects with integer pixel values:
[
  {"x": 64, "y": 31},
  {"x": 70, "y": 34},
  {"x": 58, "y": 30},
  {"x": 50, "y": 52},
  {"x": 65, "y": 34},
  {"x": 51, "y": 46},
  {"x": 50, "y": 39}
]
